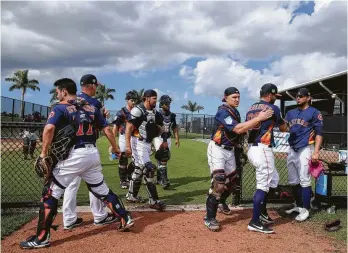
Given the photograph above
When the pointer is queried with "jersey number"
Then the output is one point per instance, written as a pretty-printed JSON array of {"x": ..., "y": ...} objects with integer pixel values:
[
  {"x": 253, "y": 115},
  {"x": 89, "y": 131}
]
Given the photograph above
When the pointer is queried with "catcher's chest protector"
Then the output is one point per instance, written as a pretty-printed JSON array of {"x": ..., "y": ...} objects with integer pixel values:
[{"x": 148, "y": 128}]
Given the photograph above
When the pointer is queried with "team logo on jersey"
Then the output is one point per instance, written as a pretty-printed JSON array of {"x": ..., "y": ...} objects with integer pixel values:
[
  {"x": 51, "y": 115},
  {"x": 228, "y": 120},
  {"x": 320, "y": 117}
]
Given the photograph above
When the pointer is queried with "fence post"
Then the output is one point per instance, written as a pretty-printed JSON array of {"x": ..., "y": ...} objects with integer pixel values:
[
  {"x": 186, "y": 127},
  {"x": 13, "y": 105},
  {"x": 203, "y": 124}
]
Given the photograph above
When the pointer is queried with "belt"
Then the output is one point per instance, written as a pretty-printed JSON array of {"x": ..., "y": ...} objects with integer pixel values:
[
  {"x": 229, "y": 148},
  {"x": 257, "y": 144},
  {"x": 142, "y": 139},
  {"x": 87, "y": 145}
]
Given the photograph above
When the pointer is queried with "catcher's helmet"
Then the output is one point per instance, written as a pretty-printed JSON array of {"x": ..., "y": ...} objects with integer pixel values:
[
  {"x": 165, "y": 99},
  {"x": 132, "y": 95}
]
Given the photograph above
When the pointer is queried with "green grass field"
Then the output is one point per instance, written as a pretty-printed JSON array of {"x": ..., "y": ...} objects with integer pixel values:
[{"x": 187, "y": 170}]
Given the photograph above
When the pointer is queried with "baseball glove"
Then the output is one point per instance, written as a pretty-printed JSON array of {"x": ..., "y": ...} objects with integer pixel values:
[
  {"x": 332, "y": 225},
  {"x": 43, "y": 167},
  {"x": 315, "y": 168}
]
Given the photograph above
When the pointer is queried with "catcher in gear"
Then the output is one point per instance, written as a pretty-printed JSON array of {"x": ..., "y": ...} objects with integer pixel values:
[
  {"x": 145, "y": 123},
  {"x": 221, "y": 156},
  {"x": 305, "y": 125},
  {"x": 162, "y": 154},
  {"x": 124, "y": 170},
  {"x": 83, "y": 160}
]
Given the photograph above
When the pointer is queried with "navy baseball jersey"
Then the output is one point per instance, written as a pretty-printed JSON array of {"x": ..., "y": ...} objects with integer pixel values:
[
  {"x": 86, "y": 118},
  {"x": 226, "y": 119},
  {"x": 169, "y": 121},
  {"x": 263, "y": 132},
  {"x": 303, "y": 125},
  {"x": 121, "y": 119},
  {"x": 90, "y": 100}
]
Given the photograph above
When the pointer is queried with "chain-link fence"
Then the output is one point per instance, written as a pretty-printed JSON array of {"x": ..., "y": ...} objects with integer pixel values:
[{"x": 17, "y": 110}]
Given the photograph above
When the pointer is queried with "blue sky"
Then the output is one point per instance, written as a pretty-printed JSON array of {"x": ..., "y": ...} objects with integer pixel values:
[{"x": 252, "y": 59}]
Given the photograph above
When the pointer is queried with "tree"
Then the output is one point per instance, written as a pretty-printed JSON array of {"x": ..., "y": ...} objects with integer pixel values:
[
  {"x": 54, "y": 96},
  {"x": 20, "y": 81},
  {"x": 192, "y": 107},
  {"x": 104, "y": 93},
  {"x": 140, "y": 95}
]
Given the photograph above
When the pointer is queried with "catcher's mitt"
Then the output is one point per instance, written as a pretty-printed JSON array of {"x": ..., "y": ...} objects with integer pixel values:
[
  {"x": 333, "y": 225},
  {"x": 43, "y": 167},
  {"x": 315, "y": 168}
]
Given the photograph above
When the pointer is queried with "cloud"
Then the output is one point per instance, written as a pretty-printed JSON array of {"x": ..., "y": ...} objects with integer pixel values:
[
  {"x": 186, "y": 95},
  {"x": 72, "y": 38},
  {"x": 215, "y": 74}
]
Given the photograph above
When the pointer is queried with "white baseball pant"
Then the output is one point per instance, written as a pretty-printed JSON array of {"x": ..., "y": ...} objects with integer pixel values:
[
  {"x": 141, "y": 151},
  {"x": 122, "y": 142},
  {"x": 219, "y": 158},
  {"x": 70, "y": 173},
  {"x": 298, "y": 167},
  {"x": 262, "y": 158},
  {"x": 158, "y": 141}
]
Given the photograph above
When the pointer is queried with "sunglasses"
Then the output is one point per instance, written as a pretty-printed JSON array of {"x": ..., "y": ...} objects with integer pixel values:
[{"x": 300, "y": 96}]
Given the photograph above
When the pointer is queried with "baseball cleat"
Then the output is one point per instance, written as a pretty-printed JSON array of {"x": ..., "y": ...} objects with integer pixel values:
[
  {"x": 304, "y": 214},
  {"x": 158, "y": 205},
  {"x": 259, "y": 227},
  {"x": 212, "y": 225},
  {"x": 132, "y": 199},
  {"x": 126, "y": 223},
  {"x": 124, "y": 185},
  {"x": 295, "y": 209},
  {"x": 223, "y": 208},
  {"x": 264, "y": 217},
  {"x": 33, "y": 242},
  {"x": 75, "y": 224},
  {"x": 110, "y": 218}
]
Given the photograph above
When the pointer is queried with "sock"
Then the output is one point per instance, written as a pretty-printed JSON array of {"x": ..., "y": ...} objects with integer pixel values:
[
  {"x": 296, "y": 191},
  {"x": 306, "y": 194},
  {"x": 258, "y": 202},
  {"x": 265, "y": 200},
  {"x": 211, "y": 205}
]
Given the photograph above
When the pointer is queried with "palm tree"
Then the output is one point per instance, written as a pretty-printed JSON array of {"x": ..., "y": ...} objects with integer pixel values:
[
  {"x": 192, "y": 107},
  {"x": 104, "y": 93},
  {"x": 20, "y": 81},
  {"x": 54, "y": 96},
  {"x": 140, "y": 95}
]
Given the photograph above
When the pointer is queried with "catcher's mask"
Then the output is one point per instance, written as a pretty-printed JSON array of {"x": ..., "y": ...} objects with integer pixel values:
[
  {"x": 165, "y": 100},
  {"x": 131, "y": 95}
]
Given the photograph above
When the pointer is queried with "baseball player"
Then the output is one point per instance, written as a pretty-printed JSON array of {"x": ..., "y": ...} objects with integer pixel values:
[
  {"x": 162, "y": 155},
  {"x": 305, "y": 125},
  {"x": 83, "y": 160},
  {"x": 221, "y": 157},
  {"x": 89, "y": 84},
  {"x": 29, "y": 136},
  {"x": 145, "y": 123},
  {"x": 260, "y": 155},
  {"x": 119, "y": 129}
]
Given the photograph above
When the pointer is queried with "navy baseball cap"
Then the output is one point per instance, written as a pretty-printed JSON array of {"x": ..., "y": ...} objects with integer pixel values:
[
  {"x": 303, "y": 92},
  {"x": 269, "y": 88},
  {"x": 89, "y": 79},
  {"x": 230, "y": 91},
  {"x": 150, "y": 93}
]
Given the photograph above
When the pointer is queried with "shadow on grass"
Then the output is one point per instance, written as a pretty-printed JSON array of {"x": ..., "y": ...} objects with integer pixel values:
[{"x": 180, "y": 181}]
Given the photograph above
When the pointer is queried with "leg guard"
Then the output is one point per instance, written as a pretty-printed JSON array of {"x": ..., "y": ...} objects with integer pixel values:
[
  {"x": 130, "y": 170},
  {"x": 122, "y": 167},
  {"x": 26, "y": 143},
  {"x": 162, "y": 177},
  {"x": 135, "y": 183},
  {"x": 47, "y": 214},
  {"x": 149, "y": 172},
  {"x": 218, "y": 183},
  {"x": 32, "y": 147}
]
